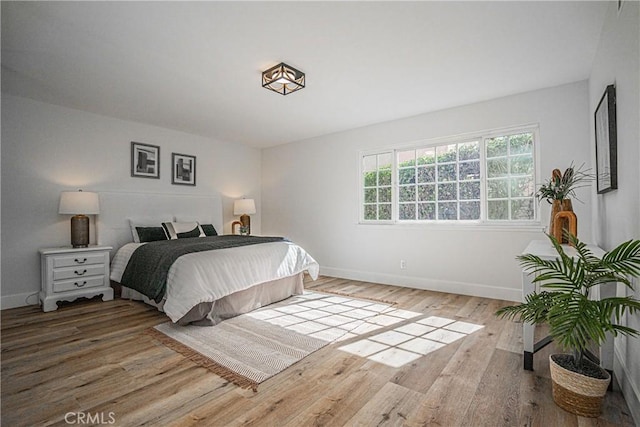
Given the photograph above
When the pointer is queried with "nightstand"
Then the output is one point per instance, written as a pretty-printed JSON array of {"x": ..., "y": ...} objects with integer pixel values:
[{"x": 70, "y": 273}]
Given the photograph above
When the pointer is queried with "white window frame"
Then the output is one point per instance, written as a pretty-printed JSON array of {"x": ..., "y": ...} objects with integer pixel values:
[
  {"x": 361, "y": 187},
  {"x": 457, "y": 162},
  {"x": 481, "y": 137}
]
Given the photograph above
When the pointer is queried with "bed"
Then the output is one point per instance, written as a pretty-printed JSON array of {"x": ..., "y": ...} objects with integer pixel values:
[{"x": 206, "y": 278}]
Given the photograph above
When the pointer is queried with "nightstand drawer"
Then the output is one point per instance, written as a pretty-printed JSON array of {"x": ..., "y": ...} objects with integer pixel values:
[
  {"x": 78, "y": 272},
  {"x": 80, "y": 259},
  {"x": 80, "y": 283}
]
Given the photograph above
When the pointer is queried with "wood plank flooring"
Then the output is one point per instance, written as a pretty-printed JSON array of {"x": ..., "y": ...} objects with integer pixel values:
[{"x": 92, "y": 357}]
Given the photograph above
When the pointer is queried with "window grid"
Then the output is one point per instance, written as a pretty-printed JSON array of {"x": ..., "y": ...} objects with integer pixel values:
[
  {"x": 493, "y": 184},
  {"x": 500, "y": 201},
  {"x": 430, "y": 182},
  {"x": 377, "y": 191}
]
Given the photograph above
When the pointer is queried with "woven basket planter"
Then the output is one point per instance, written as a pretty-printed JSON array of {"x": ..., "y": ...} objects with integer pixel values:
[{"x": 577, "y": 393}]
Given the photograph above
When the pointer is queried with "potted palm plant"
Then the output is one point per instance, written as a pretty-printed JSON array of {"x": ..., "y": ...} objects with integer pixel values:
[{"x": 576, "y": 321}]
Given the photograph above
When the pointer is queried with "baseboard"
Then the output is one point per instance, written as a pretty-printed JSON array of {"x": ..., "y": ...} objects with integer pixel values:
[
  {"x": 18, "y": 300},
  {"x": 629, "y": 389},
  {"x": 462, "y": 288}
]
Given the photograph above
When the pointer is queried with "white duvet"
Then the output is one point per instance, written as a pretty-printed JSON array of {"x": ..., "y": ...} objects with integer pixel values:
[{"x": 210, "y": 275}]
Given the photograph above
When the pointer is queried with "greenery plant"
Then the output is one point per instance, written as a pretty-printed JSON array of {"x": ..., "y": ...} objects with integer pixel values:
[
  {"x": 575, "y": 321},
  {"x": 563, "y": 185}
]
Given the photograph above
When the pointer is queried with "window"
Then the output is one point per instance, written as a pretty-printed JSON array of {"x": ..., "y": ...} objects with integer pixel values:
[
  {"x": 377, "y": 186},
  {"x": 487, "y": 178},
  {"x": 441, "y": 182},
  {"x": 510, "y": 178}
]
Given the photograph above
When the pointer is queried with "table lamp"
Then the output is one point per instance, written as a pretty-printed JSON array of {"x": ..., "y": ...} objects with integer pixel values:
[
  {"x": 244, "y": 208},
  {"x": 79, "y": 204}
]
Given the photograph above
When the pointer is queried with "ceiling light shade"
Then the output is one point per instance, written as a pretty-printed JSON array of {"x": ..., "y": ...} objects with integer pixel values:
[{"x": 283, "y": 79}]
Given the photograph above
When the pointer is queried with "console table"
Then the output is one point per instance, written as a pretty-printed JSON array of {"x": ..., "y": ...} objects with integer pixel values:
[{"x": 545, "y": 250}]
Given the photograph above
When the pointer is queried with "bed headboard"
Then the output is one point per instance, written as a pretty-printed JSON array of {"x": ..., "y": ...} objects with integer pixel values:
[{"x": 116, "y": 208}]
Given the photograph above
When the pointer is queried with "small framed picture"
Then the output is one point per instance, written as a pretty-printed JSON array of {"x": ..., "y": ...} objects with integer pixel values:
[
  {"x": 145, "y": 160},
  {"x": 606, "y": 142},
  {"x": 184, "y": 169}
]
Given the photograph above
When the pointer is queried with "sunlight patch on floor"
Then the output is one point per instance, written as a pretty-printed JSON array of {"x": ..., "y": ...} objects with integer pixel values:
[
  {"x": 335, "y": 318},
  {"x": 409, "y": 342},
  {"x": 332, "y": 318}
]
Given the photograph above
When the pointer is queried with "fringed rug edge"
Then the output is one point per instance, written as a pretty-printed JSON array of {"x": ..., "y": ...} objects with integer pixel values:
[{"x": 202, "y": 360}]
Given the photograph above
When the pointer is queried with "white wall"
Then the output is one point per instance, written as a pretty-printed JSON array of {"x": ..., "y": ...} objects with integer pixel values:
[
  {"x": 617, "y": 213},
  {"x": 310, "y": 193},
  {"x": 47, "y": 149}
]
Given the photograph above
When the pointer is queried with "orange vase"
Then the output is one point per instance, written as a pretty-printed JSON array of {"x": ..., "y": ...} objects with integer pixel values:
[{"x": 558, "y": 206}]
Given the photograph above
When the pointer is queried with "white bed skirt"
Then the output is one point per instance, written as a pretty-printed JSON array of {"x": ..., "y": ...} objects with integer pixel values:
[{"x": 232, "y": 305}]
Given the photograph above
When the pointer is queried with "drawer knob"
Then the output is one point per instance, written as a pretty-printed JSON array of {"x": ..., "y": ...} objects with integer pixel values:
[
  {"x": 79, "y": 285},
  {"x": 78, "y": 261},
  {"x": 81, "y": 273}
]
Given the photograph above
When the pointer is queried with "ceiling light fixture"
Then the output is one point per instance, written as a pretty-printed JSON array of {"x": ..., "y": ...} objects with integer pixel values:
[{"x": 283, "y": 79}]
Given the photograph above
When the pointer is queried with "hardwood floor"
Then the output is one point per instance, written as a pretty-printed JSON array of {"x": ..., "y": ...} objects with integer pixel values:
[{"x": 93, "y": 358}]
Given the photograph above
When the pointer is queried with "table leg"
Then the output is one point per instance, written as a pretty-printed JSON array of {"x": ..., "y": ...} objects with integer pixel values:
[{"x": 528, "y": 329}]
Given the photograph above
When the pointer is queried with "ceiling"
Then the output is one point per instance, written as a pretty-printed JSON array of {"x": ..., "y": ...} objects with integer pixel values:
[{"x": 196, "y": 66}]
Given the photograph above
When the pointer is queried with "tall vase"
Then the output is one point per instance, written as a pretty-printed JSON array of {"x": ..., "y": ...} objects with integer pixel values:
[{"x": 558, "y": 206}]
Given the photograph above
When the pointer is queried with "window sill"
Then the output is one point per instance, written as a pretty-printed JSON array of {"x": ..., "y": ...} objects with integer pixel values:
[{"x": 529, "y": 227}]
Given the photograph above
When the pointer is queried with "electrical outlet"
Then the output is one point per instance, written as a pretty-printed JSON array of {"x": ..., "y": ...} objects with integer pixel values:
[{"x": 403, "y": 264}]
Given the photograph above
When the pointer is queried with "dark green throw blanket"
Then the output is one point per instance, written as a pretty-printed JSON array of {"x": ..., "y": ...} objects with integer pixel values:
[{"x": 148, "y": 266}]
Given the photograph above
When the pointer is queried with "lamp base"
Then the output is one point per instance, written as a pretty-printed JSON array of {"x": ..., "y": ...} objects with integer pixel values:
[{"x": 79, "y": 231}]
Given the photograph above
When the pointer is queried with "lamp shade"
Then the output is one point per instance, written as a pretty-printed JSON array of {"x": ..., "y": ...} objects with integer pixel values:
[
  {"x": 79, "y": 202},
  {"x": 244, "y": 207}
]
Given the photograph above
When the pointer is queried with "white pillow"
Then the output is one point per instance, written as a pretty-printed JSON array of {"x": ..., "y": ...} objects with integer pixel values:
[
  {"x": 206, "y": 223},
  {"x": 190, "y": 229},
  {"x": 145, "y": 222}
]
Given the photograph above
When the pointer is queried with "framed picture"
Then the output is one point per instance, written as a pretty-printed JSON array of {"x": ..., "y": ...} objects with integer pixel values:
[
  {"x": 184, "y": 169},
  {"x": 145, "y": 160},
  {"x": 606, "y": 142}
]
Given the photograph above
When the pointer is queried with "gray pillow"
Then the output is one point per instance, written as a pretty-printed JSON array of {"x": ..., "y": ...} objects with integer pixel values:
[{"x": 151, "y": 234}]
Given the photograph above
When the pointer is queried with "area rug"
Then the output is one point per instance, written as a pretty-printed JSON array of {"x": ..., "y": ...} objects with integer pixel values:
[{"x": 253, "y": 347}]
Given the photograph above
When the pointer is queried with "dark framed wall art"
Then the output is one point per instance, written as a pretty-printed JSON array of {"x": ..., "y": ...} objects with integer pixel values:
[
  {"x": 184, "y": 169},
  {"x": 145, "y": 160},
  {"x": 606, "y": 142}
]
